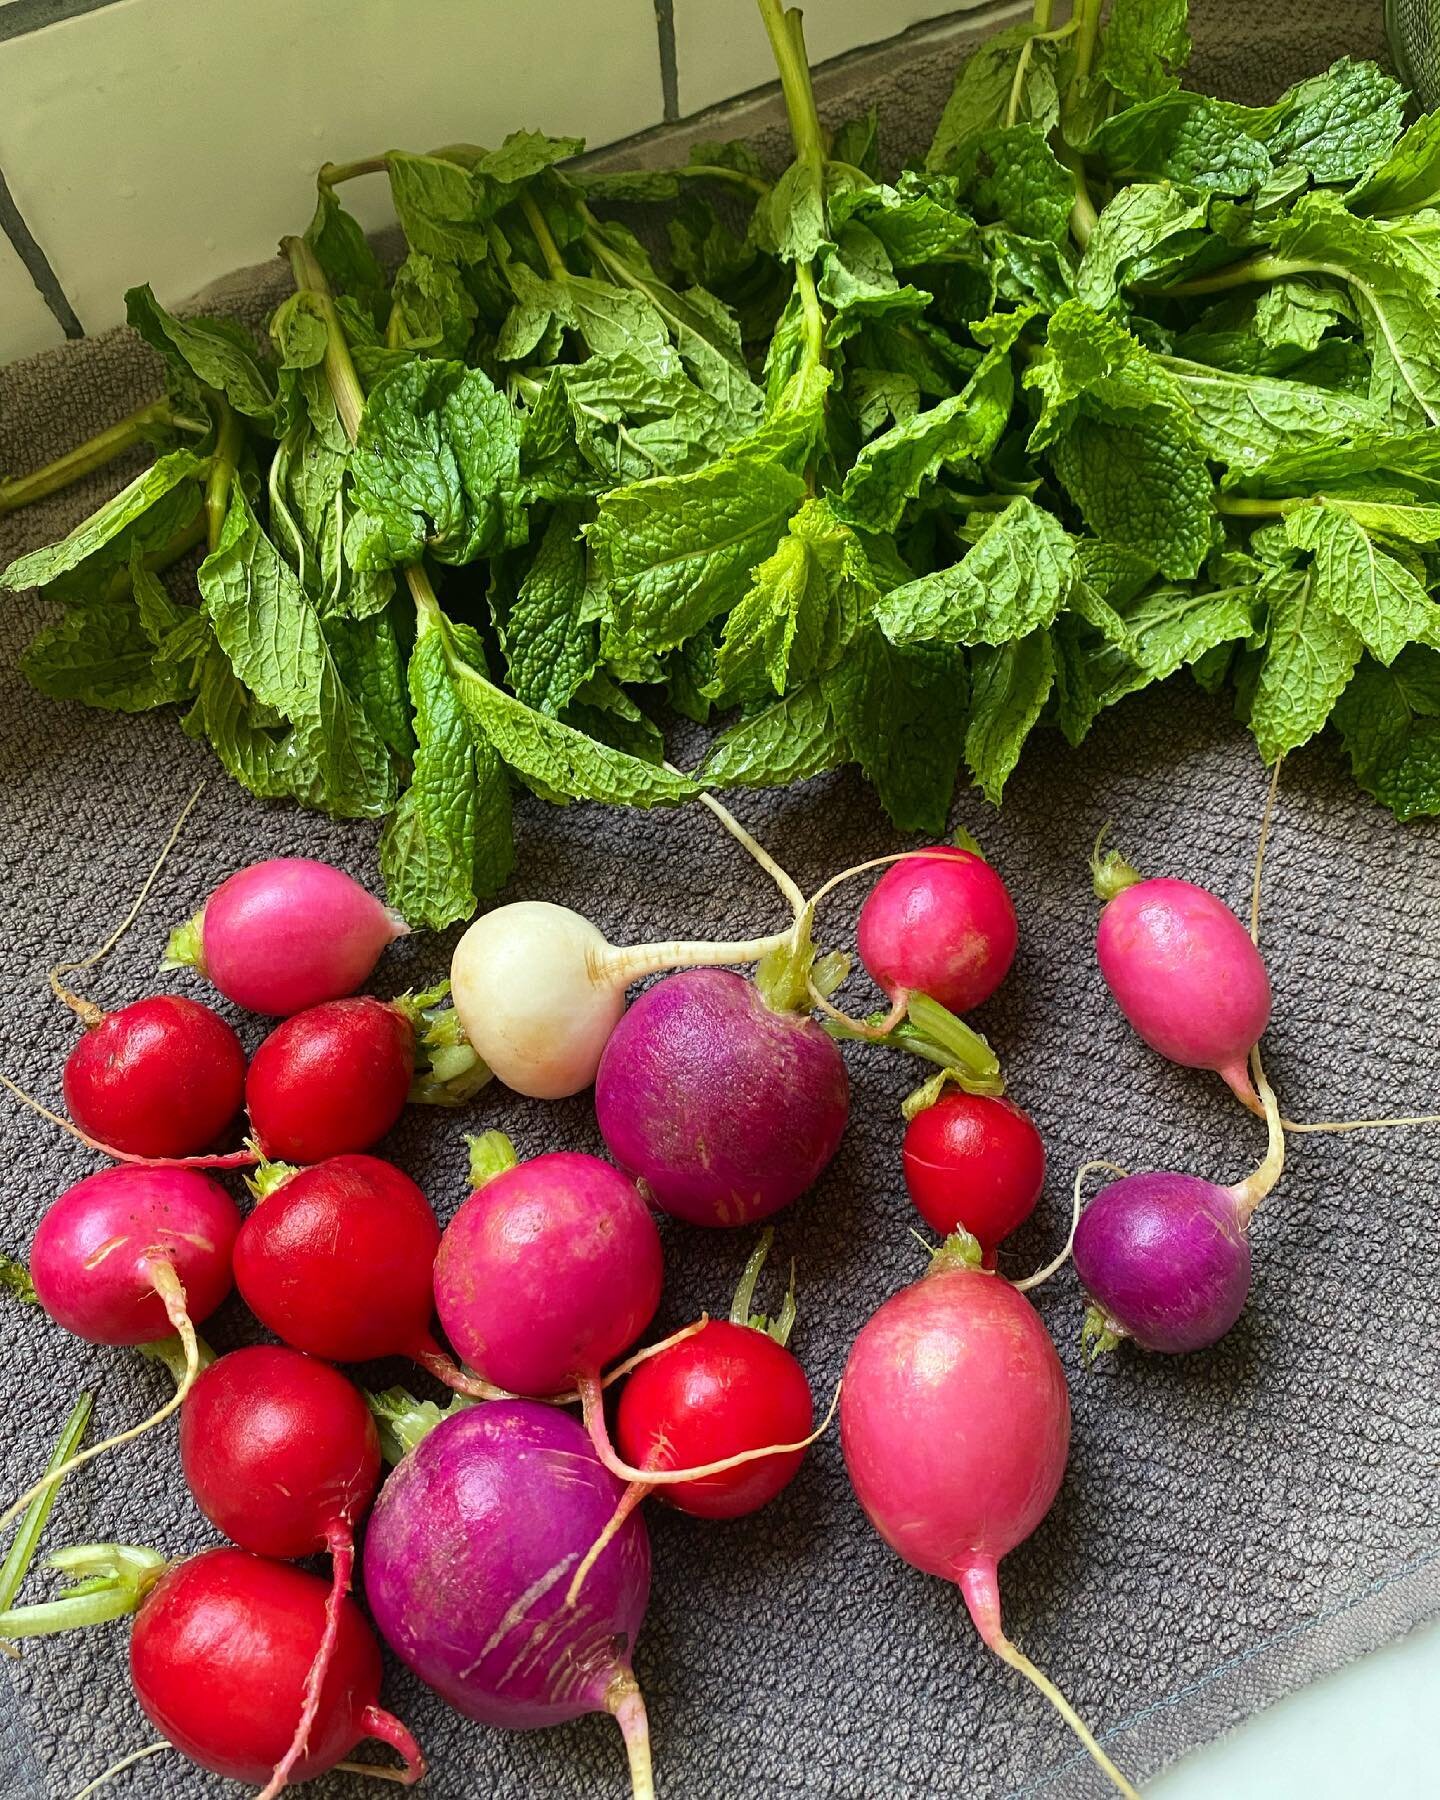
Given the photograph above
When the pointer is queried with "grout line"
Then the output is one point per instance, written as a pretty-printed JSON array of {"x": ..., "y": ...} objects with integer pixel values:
[
  {"x": 669, "y": 67},
  {"x": 36, "y": 262},
  {"x": 20, "y": 17}
]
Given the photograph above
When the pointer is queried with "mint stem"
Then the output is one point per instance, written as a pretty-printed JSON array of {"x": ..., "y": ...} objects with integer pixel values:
[
  {"x": 549, "y": 249},
  {"x": 136, "y": 428},
  {"x": 229, "y": 439},
  {"x": 339, "y": 367}
]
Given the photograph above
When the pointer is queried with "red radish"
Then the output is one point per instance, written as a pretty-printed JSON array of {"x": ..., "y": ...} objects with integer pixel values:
[
  {"x": 286, "y": 934},
  {"x": 282, "y": 1455},
  {"x": 130, "y": 1256},
  {"x": 725, "y": 1106},
  {"x": 338, "y": 1260},
  {"x": 332, "y": 1079},
  {"x": 1183, "y": 970},
  {"x": 220, "y": 1653},
  {"x": 975, "y": 1163},
  {"x": 955, "y": 1426},
  {"x": 938, "y": 922},
  {"x": 162, "y": 1077}
]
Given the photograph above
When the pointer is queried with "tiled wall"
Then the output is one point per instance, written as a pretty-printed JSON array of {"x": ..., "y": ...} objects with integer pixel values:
[{"x": 172, "y": 140}]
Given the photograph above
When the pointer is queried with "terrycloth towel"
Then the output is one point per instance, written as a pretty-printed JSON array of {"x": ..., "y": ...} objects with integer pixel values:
[{"x": 1232, "y": 1524}]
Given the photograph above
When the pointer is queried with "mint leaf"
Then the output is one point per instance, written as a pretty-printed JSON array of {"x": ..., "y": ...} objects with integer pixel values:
[
  {"x": 1357, "y": 581},
  {"x": 1184, "y": 138},
  {"x": 1012, "y": 582},
  {"x": 1245, "y": 420},
  {"x": 439, "y": 207},
  {"x": 103, "y": 656},
  {"x": 548, "y": 634},
  {"x": 349, "y": 264},
  {"x": 603, "y": 710},
  {"x": 436, "y": 467},
  {"x": 1146, "y": 231},
  {"x": 1389, "y": 723},
  {"x": 917, "y": 221},
  {"x": 801, "y": 609},
  {"x": 526, "y": 153},
  {"x": 1144, "y": 47},
  {"x": 1407, "y": 177},
  {"x": 981, "y": 95},
  {"x": 902, "y": 714},
  {"x": 1310, "y": 655},
  {"x": 1142, "y": 484},
  {"x": 448, "y": 843},
  {"x": 792, "y": 740},
  {"x": 1336, "y": 124},
  {"x": 1009, "y": 687},
  {"x": 1011, "y": 175},
  {"x": 269, "y": 630},
  {"x": 141, "y": 513},
  {"x": 215, "y": 352},
  {"x": 677, "y": 551},
  {"x": 431, "y": 307}
]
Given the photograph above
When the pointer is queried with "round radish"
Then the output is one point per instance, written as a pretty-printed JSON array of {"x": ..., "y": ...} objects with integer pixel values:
[
  {"x": 1183, "y": 971},
  {"x": 548, "y": 1271},
  {"x": 332, "y": 1079},
  {"x": 974, "y": 1163},
  {"x": 338, "y": 1260},
  {"x": 539, "y": 990},
  {"x": 286, "y": 934},
  {"x": 162, "y": 1077},
  {"x": 955, "y": 1427},
  {"x": 467, "y": 1556},
  {"x": 282, "y": 1455},
  {"x": 130, "y": 1256},
  {"x": 726, "y": 1109},
  {"x": 939, "y": 922}
]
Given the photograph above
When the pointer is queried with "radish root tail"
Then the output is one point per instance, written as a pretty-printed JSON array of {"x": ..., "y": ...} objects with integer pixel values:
[
  {"x": 981, "y": 1590},
  {"x": 172, "y": 1292},
  {"x": 624, "y": 1506},
  {"x": 87, "y": 1011},
  {"x": 118, "y": 1768},
  {"x": 1056, "y": 1264},
  {"x": 627, "y": 1704},
  {"x": 448, "y": 1372},
  {"x": 593, "y": 1411},
  {"x": 387, "y": 1729},
  {"x": 230, "y": 1159},
  {"x": 341, "y": 1545}
]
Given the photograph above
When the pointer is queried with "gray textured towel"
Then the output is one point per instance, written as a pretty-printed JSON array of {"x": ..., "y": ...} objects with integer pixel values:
[{"x": 1232, "y": 1525}]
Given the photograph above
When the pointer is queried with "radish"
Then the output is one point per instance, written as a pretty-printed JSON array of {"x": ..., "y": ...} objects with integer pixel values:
[
  {"x": 974, "y": 1163},
  {"x": 335, "y": 1078},
  {"x": 1183, "y": 970},
  {"x": 548, "y": 1271},
  {"x": 938, "y": 922},
  {"x": 127, "y": 1257},
  {"x": 161, "y": 1077},
  {"x": 282, "y": 1455},
  {"x": 467, "y": 1556},
  {"x": 285, "y": 934},
  {"x": 338, "y": 1260},
  {"x": 1165, "y": 1258},
  {"x": 220, "y": 1654},
  {"x": 726, "y": 1106},
  {"x": 539, "y": 990},
  {"x": 955, "y": 1427}
]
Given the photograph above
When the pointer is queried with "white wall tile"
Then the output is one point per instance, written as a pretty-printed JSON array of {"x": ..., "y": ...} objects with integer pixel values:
[
  {"x": 170, "y": 141},
  {"x": 26, "y": 322},
  {"x": 721, "y": 48}
]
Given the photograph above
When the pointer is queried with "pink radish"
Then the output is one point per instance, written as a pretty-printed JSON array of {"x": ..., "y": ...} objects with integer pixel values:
[
  {"x": 1183, "y": 970},
  {"x": 281, "y": 1453},
  {"x": 286, "y": 934},
  {"x": 938, "y": 922},
  {"x": 130, "y": 1256},
  {"x": 955, "y": 1426}
]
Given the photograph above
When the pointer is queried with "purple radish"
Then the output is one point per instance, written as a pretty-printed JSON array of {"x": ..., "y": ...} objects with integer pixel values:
[
  {"x": 130, "y": 1256},
  {"x": 1165, "y": 1258},
  {"x": 285, "y": 934},
  {"x": 467, "y": 1560},
  {"x": 725, "y": 1107},
  {"x": 1183, "y": 970}
]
